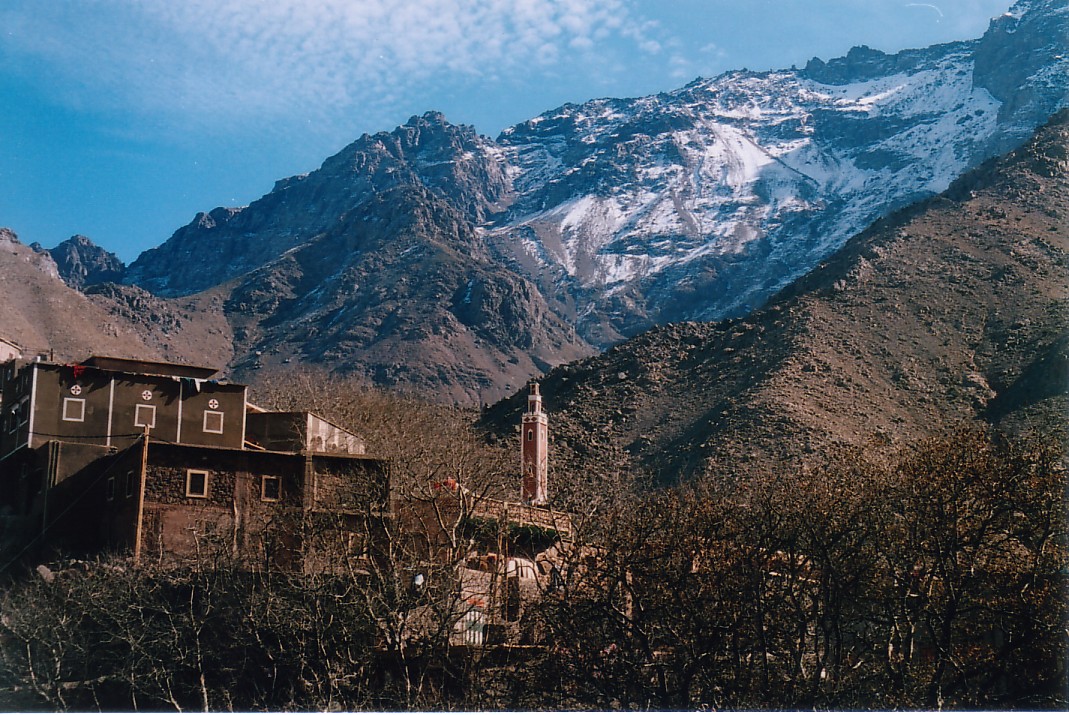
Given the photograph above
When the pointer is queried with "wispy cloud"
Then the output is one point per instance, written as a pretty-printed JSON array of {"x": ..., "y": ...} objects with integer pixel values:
[
  {"x": 248, "y": 60},
  {"x": 927, "y": 5}
]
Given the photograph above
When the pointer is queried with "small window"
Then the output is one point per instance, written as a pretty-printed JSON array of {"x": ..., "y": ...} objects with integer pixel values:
[
  {"x": 131, "y": 483},
  {"x": 355, "y": 544},
  {"x": 197, "y": 483},
  {"x": 24, "y": 411},
  {"x": 145, "y": 416},
  {"x": 530, "y": 435},
  {"x": 270, "y": 488},
  {"x": 109, "y": 489},
  {"x": 213, "y": 422},
  {"x": 73, "y": 409}
]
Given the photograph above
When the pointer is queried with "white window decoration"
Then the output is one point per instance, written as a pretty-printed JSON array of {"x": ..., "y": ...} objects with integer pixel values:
[
  {"x": 197, "y": 483},
  {"x": 73, "y": 409},
  {"x": 213, "y": 422},
  {"x": 76, "y": 390},
  {"x": 146, "y": 395},
  {"x": 145, "y": 416}
]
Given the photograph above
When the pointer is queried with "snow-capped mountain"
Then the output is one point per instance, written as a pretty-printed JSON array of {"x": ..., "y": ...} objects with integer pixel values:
[
  {"x": 701, "y": 202},
  {"x": 593, "y": 222},
  {"x": 951, "y": 311}
]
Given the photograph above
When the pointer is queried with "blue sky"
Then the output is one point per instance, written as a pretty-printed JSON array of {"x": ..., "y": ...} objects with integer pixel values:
[{"x": 120, "y": 119}]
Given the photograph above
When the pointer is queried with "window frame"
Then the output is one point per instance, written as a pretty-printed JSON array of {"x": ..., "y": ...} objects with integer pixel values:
[
  {"x": 68, "y": 401},
  {"x": 213, "y": 413},
  {"x": 138, "y": 422},
  {"x": 264, "y": 479},
  {"x": 109, "y": 489},
  {"x": 131, "y": 480},
  {"x": 189, "y": 483}
]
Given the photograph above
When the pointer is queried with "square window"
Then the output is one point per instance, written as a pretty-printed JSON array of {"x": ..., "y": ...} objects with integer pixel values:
[
  {"x": 145, "y": 416},
  {"x": 73, "y": 409},
  {"x": 270, "y": 488},
  {"x": 109, "y": 489},
  {"x": 197, "y": 483},
  {"x": 213, "y": 422}
]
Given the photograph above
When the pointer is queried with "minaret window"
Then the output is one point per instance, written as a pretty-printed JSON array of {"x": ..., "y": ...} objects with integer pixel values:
[{"x": 530, "y": 435}]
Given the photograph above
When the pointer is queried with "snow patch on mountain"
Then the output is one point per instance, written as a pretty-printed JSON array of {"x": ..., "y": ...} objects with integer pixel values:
[{"x": 615, "y": 193}]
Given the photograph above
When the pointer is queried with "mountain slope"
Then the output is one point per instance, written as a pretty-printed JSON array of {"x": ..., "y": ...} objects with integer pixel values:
[
  {"x": 952, "y": 310},
  {"x": 699, "y": 203},
  {"x": 597, "y": 221},
  {"x": 404, "y": 292},
  {"x": 43, "y": 314}
]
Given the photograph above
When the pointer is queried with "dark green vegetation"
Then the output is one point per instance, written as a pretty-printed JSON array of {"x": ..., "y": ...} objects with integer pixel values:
[{"x": 935, "y": 579}]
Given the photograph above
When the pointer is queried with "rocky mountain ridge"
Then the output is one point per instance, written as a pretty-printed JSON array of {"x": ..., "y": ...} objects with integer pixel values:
[
  {"x": 699, "y": 203},
  {"x": 436, "y": 259},
  {"x": 692, "y": 204},
  {"x": 43, "y": 314},
  {"x": 452, "y": 162},
  {"x": 953, "y": 311},
  {"x": 82, "y": 263}
]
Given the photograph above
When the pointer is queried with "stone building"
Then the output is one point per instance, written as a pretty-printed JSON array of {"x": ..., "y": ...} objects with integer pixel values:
[
  {"x": 166, "y": 464},
  {"x": 153, "y": 459}
]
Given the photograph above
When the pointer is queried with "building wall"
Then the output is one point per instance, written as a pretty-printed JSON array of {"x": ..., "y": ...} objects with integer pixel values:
[
  {"x": 295, "y": 431},
  {"x": 236, "y": 518},
  {"x": 15, "y": 407},
  {"x": 90, "y": 405},
  {"x": 322, "y": 436},
  {"x": 280, "y": 431},
  {"x": 9, "y": 351}
]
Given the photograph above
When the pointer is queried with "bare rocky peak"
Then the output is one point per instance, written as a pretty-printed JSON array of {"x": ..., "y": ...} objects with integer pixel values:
[
  {"x": 451, "y": 161},
  {"x": 82, "y": 263},
  {"x": 39, "y": 260}
]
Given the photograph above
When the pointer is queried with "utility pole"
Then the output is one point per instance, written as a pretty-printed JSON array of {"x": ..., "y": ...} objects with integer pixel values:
[{"x": 141, "y": 497}]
